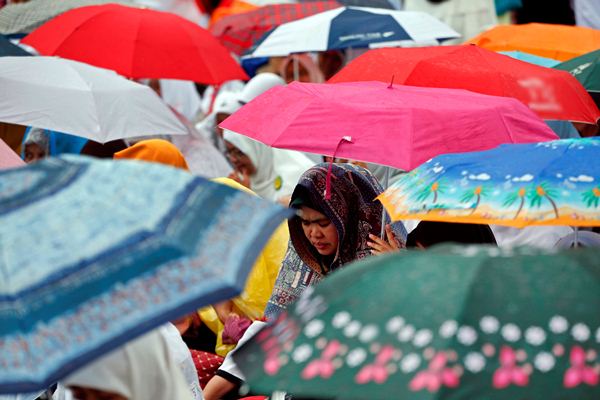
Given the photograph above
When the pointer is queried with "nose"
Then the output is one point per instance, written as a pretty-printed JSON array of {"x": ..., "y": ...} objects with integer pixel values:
[{"x": 315, "y": 232}]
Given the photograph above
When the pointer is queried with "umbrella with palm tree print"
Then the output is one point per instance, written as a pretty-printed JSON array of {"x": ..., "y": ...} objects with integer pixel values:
[{"x": 550, "y": 183}]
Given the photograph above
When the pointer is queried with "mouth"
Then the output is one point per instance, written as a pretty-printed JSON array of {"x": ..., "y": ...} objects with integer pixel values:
[{"x": 320, "y": 246}]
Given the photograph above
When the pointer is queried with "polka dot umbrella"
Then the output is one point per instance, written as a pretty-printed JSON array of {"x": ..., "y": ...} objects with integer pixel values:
[{"x": 449, "y": 323}]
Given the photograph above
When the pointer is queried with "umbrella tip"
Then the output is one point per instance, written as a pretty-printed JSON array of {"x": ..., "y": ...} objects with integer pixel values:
[{"x": 391, "y": 83}]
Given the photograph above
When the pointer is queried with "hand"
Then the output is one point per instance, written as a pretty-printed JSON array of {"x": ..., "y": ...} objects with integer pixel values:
[
  {"x": 241, "y": 177},
  {"x": 381, "y": 246}
]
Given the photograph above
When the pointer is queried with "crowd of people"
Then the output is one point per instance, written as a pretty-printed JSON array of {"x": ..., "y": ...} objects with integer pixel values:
[{"x": 191, "y": 358}]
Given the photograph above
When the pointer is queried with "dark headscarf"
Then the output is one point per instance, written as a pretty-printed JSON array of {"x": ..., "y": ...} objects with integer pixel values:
[{"x": 352, "y": 209}]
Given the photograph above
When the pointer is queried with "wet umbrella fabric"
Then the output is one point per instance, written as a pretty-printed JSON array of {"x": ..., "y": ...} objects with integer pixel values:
[
  {"x": 448, "y": 323},
  {"x": 551, "y": 183},
  {"x": 96, "y": 252},
  {"x": 398, "y": 126},
  {"x": 76, "y": 98},
  {"x": 137, "y": 43},
  {"x": 553, "y": 96}
]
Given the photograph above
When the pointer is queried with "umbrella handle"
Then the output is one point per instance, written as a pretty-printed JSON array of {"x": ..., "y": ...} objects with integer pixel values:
[
  {"x": 386, "y": 179},
  {"x": 328, "y": 177}
]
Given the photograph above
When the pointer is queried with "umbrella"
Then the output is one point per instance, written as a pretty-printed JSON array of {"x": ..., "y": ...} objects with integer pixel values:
[
  {"x": 397, "y": 126},
  {"x": 137, "y": 43},
  {"x": 76, "y": 98},
  {"x": 240, "y": 31},
  {"x": 95, "y": 253},
  {"x": 449, "y": 323},
  {"x": 9, "y": 49},
  {"x": 352, "y": 27},
  {"x": 24, "y": 17},
  {"x": 531, "y": 58},
  {"x": 8, "y": 158},
  {"x": 551, "y": 183},
  {"x": 560, "y": 42},
  {"x": 553, "y": 96},
  {"x": 586, "y": 69}
]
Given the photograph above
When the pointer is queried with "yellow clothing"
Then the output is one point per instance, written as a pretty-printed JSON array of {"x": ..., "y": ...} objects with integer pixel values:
[{"x": 252, "y": 301}]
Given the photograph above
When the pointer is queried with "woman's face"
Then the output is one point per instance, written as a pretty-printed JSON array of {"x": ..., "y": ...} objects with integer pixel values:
[
  {"x": 33, "y": 153},
  {"x": 81, "y": 393},
  {"x": 319, "y": 230},
  {"x": 240, "y": 161}
]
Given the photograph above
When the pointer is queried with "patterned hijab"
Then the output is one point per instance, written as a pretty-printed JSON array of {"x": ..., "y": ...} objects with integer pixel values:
[{"x": 352, "y": 208}]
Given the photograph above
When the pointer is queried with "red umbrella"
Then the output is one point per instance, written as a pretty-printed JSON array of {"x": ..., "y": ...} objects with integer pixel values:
[
  {"x": 550, "y": 93},
  {"x": 137, "y": 43},
  {"x": 238, "y": 32}
]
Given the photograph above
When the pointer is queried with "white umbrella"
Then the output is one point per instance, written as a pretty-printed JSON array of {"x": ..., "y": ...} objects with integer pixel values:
[
  {"x": 79, "y": 99},
  {"x": 353, "y": 27}
]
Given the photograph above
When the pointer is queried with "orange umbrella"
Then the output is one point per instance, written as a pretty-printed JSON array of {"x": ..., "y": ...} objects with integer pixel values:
[
  {"x": 230, "y": 7},
  {"x": 560, "y": 42}
]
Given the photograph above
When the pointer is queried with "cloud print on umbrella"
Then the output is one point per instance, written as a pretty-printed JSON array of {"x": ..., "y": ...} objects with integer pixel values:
[{"x": 552, "y": 183}]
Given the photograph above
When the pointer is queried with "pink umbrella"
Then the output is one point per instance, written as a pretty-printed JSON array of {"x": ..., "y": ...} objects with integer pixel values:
[
  {"x": 8, "y": 158},
  {"x": 398, "y": 126}
]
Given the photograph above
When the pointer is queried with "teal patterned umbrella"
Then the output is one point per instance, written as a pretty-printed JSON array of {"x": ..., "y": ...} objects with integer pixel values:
[
  {"x": 94, "y": 253},
  {"x": 447, "y": 323}
]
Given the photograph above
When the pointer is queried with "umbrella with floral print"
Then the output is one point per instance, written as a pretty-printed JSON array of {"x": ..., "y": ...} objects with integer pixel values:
[
  {"x": 450, "y": 323},
  {"x": 550, "y": 183}
]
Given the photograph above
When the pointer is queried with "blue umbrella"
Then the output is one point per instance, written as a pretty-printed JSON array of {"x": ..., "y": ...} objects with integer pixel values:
[
  {"x": 9, "y": 49},
  {"x": 352, "y": 27},
  {"x": 531, "y": 58},
  {"x": 95, "y": 253}
]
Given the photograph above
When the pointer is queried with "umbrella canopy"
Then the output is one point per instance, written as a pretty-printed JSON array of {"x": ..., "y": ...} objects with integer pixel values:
[
  {"x": 238, "y": 32},
  {"x": 24, "y": 17},
  {"x": 586, "y": 69},
  {"x": 353, "y": 27},
  {"x": 559, "y": 42},
  {"x": 531, "y": 58},
  {"x": 137, "y": 43},
  {"x": 9, "y": 49},
  {"x": 551, "y": 183},
  {"x": 551, "y": 95},
  {"x": 76, "y": 98},
  {"x": 449, "y": 323},
  {"x": 8, "y": 158},
  {"x": 97, "y": 252},
  {"x": 398, "y": 126}
]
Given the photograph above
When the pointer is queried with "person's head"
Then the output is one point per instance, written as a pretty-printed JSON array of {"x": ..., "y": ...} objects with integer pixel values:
[
  {"x": 318, "y": 229},
  {"x": 330, "y": 62},
  {"x": 36, "y": 146},
  {"x": 103, "y": 150},
  {"x": 258, "y": 85},
  {"x": 155, "y": 150},
  {"x": 240, "y": 161},
  {"x": 308, "y": 71},
  {"x": 140, "y": 369},
  {"x": 226, "y": 103},
  {"x": 330, "y": 232},
  {"x": 429, "y": 233}
]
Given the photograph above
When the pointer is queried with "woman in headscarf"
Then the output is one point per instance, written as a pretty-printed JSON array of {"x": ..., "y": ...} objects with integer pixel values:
[
  {"x": 154, "y": 150},
  {"x": 141, "y": 369},
  {"x": 301, "y": 68},
  {"x": 270, "y": 173},
  {"x": 329, "y": 232},
  {"x": 39, "y": 143}
]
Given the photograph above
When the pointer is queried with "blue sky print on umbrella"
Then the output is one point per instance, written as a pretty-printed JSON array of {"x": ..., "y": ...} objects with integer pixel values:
[{"x": 555, "y": 182}]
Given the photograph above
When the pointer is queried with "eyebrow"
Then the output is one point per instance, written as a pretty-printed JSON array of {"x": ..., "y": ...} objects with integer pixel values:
[{"x": 315, "y": 221}]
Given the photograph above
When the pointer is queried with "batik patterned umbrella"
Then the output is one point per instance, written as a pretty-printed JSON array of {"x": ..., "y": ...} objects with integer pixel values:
[
  {"x": 551, "y": 183},
  {"x": 94, "y": 253},
  {"x": 450, "y": 323}
]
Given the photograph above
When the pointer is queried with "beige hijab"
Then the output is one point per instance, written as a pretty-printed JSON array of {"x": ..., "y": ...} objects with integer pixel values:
[{"x": 139, "y": 370}]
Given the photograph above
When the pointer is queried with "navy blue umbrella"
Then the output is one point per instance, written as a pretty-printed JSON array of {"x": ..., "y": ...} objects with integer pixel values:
[{"x": 9, "y": 49}]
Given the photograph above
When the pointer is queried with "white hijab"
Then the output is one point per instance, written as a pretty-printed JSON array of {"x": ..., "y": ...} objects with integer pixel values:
[
  {"x": 277, "y": 170},
  {"x": 141, "y": 369}
]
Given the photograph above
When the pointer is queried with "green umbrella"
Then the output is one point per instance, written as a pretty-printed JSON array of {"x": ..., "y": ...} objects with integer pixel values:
[
  {"x": 449, "y": 323},
  {"x": 586, "y": 69}
]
